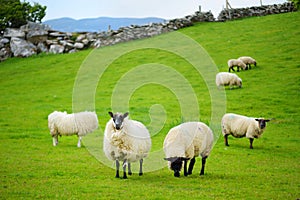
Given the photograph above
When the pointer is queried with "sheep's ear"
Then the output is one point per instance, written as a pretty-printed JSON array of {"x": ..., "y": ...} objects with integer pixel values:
[
  {"x": 126, "y": 114},
  {"x": 111, "y": 114},
  {"x": 257, "y": 120},
  {"x": 267, "y": 120}
]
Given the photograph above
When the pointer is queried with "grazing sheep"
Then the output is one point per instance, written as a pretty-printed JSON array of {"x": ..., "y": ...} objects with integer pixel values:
[
  {"x": 187, "y": 141},
  {"x": 248, "y": 61},
  {"x": 241, "y": 126},
  {"x": 236, "y": 63},
  {"x": 126, "y": 140},
  {"x": 226, "y": 78},
  {"x": 80, "y": 124}
]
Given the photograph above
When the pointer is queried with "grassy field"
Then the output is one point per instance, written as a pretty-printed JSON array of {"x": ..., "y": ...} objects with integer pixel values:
[{"x": 31, "y": 88}]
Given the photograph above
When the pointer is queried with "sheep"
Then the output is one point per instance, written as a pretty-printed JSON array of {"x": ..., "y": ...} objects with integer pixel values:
[
  {"x": 248, "y": 61},
  {"x": 187, "y": 141},
  {"x": 241, "y": 126},
  {"x": 80, "y": 124},
  {"x": 238, "y": 63},
  {"x": 226, "y": 78},
  {"x": 126, "y": 140}
]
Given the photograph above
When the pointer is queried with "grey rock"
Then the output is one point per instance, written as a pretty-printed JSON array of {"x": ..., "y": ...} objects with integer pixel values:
[
  {"x": 56, "y": 49},
  {"x": 22, "y": 48},
  {"x": 78, "y": 45},
  {"x": 13, "y": 32}
]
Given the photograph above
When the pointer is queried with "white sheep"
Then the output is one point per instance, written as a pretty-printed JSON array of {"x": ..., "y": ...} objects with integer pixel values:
[
  {"x": 187, "y": 141},
  {"x": 248, "y": 61},
  {"x": 226, "y": 78},
  {"x": 80, "y": 124},
  {"x": 241, "y": 126},
  {"x": 236, "y": 63},
  {"x": 126, "y": 140}
]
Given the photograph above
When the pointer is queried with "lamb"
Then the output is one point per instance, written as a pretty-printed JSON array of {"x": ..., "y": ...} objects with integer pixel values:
[
  {"x": 126, "y": 140},
  {"x": 226, "y": 78},
  {"x": 241, "y": 126},
  {"x": 187, "y": 141},
  {"x": 248, "y": 61},
  {"x": 80, "y": 124},
  {"x": 238, "y": 63}
]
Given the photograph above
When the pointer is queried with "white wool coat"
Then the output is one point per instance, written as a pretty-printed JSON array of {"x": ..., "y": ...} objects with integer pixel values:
[
  {"x": 188, "y": 140},
  {"x": 226, "y": 78},
  {"x": 61, "y": 123},
  {"x": 236, "y": 62},
  {"x": 247, "y": 60},
  {"x": 240, "y": 126},
  {"x": 132, "y": 142}
]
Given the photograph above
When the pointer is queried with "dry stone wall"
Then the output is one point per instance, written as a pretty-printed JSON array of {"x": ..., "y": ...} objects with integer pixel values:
[{"x": 32, "y": 39}]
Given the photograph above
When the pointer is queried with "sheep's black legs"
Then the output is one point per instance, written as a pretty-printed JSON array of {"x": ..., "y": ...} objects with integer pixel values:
[
  {"x": 191, "y": 165},
  {"x": 124, "y": 169},
  {"x": 117, "y": 169},
  {"x": 203, "y": 165},
  {"x": 251, "y": 142},
  {"x": 141, "y": 167},
  {"x": 129, "y": 169},
  {"x": 184, "y": 167},
  {"x": 226, "y": 140}
]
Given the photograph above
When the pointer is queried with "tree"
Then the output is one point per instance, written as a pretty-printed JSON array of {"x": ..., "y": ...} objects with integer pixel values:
[
  {"x": 14, "y": 13},
  {"x": 296, "y": 3}
]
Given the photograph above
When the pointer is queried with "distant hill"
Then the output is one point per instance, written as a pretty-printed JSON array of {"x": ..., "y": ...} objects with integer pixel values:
[{"x": 97, "y": 24}]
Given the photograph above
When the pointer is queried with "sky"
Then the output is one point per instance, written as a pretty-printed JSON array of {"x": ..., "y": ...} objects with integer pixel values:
[{"x": 167, "y": 9}]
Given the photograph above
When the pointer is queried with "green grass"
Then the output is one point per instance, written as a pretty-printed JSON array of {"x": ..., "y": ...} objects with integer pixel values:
[{"x": 31, "y": 88}]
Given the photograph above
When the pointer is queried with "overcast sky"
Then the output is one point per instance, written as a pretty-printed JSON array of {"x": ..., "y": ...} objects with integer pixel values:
[{"x": 167, "y": 9}]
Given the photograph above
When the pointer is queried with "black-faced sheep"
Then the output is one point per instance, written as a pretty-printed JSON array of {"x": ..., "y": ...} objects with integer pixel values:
[
  {"x": 248, "y": 61},
  {"x": 236, "y": 63},
  {"x": 242, "y": 126},
  {"x": 80, "y": 124},
  {"x": 226, "y": 78},
  {"x": 187, "y": 141},
  {"x": 126, "y": 140}
]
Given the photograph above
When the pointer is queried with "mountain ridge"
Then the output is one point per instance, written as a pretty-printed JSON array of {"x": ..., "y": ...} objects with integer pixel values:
[{"x": 66, "y": 24}]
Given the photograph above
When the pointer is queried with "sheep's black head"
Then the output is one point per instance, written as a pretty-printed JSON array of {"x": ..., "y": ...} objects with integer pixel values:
[
  {"x": 176, "y": 164},
  {"x": 262, "y": 123},
  {"x": 118, "y": 119}
]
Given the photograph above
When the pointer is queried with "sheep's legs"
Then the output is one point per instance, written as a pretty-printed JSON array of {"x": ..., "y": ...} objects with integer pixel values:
[
  {"x": 129, "y": 169},
  {"x": 251, "y": 142},
  {"x": 55, "y": 140},
  {"x": 141, "y": 167},
  {"x": 203, "y": 165},
  {"x": 124, "y": 169},
  {"x": 117, "y": 169},
  {"x": 79, "y": 142},
  {"x": 184, "y": 168},
  {"x": 226, "y": 140},
  {"x": 191, "y": 166}
]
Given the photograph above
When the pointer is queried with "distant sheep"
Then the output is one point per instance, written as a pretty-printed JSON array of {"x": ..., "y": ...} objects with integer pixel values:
[
  {"x": 187, "y": 141},
  {"x": 226, "y": 78},
  {"x": 236, "y": 63},
  {"x": 126, "y": 140},
  {"x": 80, "y": 124},
  {"x": 248, "y": 61},
  {"x": 241, "y": 126}
]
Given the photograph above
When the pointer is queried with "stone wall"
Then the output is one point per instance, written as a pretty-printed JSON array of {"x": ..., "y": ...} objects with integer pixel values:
[
  {"x": 239, "y": 13},
  {"x": 32, "y": 39}
]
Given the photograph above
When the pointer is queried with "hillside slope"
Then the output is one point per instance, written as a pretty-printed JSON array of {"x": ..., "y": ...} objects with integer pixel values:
[{"x": 31, "y": 88}]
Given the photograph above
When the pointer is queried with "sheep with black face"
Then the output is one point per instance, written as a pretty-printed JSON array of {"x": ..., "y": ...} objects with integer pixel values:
[
  {"x": 126, "y": 140},
  {"x": 241, "y": 126},
  {"x": 185, "y": 142}
]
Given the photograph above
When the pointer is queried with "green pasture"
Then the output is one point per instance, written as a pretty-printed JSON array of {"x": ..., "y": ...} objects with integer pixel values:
[{"x": 31, "y": 88}]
